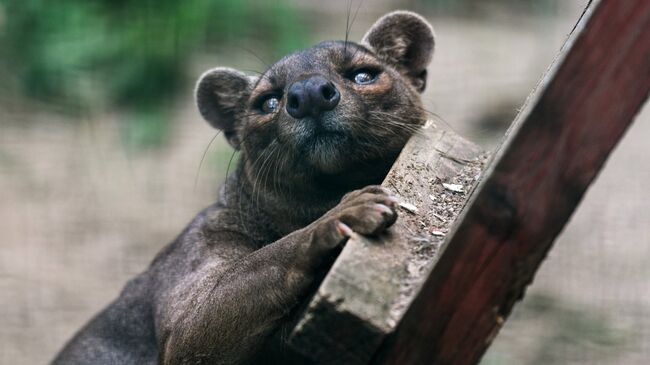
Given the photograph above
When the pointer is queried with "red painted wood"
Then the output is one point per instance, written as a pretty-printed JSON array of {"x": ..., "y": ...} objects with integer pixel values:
[{"x": 554, "y": 150}]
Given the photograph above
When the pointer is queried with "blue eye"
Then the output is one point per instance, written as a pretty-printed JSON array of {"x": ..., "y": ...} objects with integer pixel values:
[
  {"x": 364, "y": 77},
  {"x": 270, "y": 105}
]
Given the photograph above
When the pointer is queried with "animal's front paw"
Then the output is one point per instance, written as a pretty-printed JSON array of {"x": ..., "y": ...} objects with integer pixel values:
[{"x": 368, "y": 211}]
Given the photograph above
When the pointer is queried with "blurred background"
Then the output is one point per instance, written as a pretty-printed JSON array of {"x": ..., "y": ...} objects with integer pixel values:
[{"x": 101, "y": 144}]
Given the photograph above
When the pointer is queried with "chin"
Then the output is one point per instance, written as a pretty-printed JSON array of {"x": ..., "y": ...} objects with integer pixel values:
[
  {"x": 327, "y": 161},
  {"x": 328, "y": 153}
]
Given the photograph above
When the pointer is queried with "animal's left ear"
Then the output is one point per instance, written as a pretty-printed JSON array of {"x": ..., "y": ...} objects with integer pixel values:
[
  {"x": 221, "y": 95},
  {"x": 405, "y": 40}
]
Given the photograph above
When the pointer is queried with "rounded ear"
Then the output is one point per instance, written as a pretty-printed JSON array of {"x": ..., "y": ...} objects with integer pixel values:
[
  {"x": 405, "y": 40},
  {"x": 221, "y": 96}
]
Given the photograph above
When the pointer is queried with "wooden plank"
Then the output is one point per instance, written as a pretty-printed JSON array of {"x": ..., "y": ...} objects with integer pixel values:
[
  {"x": 553, "y": 151},
  {"x": 372, "y": 282}
]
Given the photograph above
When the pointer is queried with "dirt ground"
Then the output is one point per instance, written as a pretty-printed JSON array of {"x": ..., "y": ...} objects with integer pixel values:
[{"x": 80, "y": 214}]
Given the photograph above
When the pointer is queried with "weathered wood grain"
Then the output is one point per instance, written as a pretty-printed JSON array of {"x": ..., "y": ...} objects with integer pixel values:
[
  {"x": 372, "y": 282},
  {"x": 553, "y": 151}
]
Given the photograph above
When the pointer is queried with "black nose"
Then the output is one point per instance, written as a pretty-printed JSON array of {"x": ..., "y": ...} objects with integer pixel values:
[{"x": 311, "y": 96}]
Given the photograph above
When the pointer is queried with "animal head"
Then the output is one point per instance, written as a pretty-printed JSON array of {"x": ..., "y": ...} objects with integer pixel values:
[{"x": 335, "y": 109}]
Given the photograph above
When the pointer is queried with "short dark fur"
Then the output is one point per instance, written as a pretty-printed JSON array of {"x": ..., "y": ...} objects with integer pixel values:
[{"x": 234, "y": 276}]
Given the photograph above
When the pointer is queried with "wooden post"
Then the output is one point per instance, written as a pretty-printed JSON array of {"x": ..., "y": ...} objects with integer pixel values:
[
  {"x": 370, "y": 285},
  {"x": 551, "y": 154}
]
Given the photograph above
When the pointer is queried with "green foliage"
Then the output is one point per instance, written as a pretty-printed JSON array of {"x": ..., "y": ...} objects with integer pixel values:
[
  {"x": 146, "y": 127},
  {"x": 129, "y": 54}
]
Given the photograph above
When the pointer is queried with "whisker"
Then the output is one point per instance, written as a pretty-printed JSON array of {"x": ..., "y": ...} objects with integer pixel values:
[
  {"x": 268, "y": 65},
  {"x": 433, "y": 114},
  {"x": 355, "y": 14},
  {"x": 253, "y": 71},
  {"x": 347, "y": 28},
  {"x": 198, "y": 170},
  {"x": 260, "y": 176},
  {"x": 256, "y": 170},
  {"x": 228, "y": 170}
]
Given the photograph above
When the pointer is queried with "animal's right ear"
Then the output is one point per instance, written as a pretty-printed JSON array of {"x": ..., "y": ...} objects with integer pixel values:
[
  {"x": 406, "y": 40},
  {"x": 221, "y": 95}
]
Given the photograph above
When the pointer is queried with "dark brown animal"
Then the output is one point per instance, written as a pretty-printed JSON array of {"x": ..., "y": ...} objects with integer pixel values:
[{"x": 315, "y": 127}]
